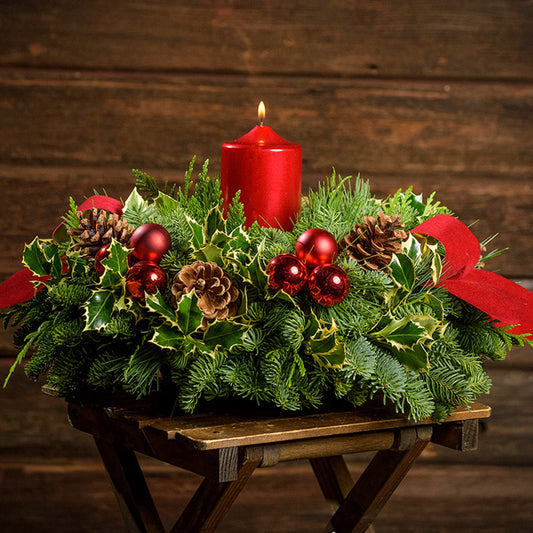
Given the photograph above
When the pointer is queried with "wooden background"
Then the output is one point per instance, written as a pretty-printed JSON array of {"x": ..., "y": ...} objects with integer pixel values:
[{"x": 438, "y": 95}]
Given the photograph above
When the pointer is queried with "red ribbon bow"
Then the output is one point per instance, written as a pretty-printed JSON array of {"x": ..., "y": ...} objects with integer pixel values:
[
  {"x": 501, "y": 299},
  {"x": 20, "y": 286}
]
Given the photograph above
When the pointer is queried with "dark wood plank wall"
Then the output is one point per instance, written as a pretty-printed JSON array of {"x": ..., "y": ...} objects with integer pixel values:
[{"x": 438, "y": 95}]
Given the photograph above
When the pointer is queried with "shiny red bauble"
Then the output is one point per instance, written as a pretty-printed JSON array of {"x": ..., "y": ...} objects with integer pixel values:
[
  {"x": 328, "y": 284},
  {"x": 145, "y": 277},
  {"x": 101, "y": 254},
  {"x": 316, "y": 247},
  {"x": 150, "y": 242},
  {"x": 286, "y": 273}
]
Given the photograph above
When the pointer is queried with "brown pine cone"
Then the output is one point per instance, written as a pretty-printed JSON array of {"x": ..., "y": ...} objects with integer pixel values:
[
  {"x": 97, "y": 228},
  {"x": 217, "y": 295},
  {"x": 373, "y": 242}
]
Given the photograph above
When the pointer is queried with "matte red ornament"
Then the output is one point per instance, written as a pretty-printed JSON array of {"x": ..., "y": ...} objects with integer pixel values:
[
  {"x": 150, "y": 242},
  {"x": 316, "y": 247},
  {"x": 145, "y": 277},
  {"x": 101, "y": 254},
  {"x": 286, "y": 273},
  {"x": 328, "y": 284}
]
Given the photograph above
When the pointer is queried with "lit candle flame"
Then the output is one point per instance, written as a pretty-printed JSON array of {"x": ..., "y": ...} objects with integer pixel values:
[{"x": 261, "y": 112}]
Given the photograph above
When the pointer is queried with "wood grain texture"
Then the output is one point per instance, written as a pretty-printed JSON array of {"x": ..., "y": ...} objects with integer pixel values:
[
  {"x": 475, "y": 39},
  {"x": 371, "y": 126}
]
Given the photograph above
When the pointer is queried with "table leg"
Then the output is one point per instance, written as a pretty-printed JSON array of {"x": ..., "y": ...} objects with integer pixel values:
[
  {"x": 334, "y": 479},
  {"x": 213, "y": 500},
  {"x": 376, "y": 485},
  {"x": 129, "y": 484}
]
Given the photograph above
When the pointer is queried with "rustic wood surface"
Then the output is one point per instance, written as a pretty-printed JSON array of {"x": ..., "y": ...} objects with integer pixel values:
[
  {"x": 438, "y": 95},
  {"x": 41, "y": 477}
]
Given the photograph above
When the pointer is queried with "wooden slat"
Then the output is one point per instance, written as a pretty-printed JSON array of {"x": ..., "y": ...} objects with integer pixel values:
[
  {"x": 475, "y": 39},
  {"x": 400, "y": 128},
  {"x": 261, "y": 430}
]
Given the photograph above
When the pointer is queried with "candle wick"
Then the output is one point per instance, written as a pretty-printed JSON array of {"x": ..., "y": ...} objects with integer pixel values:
[{"x": 261, "y": 121}]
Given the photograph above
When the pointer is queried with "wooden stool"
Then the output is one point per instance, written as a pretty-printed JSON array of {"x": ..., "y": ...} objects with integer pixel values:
[{"x": 227, "y": 448}]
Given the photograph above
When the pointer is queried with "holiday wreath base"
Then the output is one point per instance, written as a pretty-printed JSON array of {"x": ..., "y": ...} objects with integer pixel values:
[{"x": 364, "y": 298}]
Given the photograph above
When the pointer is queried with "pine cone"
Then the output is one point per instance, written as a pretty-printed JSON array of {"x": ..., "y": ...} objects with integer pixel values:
[
  {"x": 217, "y": 295},
  {"x": 374, "y": 242},
  {"x": 97, "y": 228}
]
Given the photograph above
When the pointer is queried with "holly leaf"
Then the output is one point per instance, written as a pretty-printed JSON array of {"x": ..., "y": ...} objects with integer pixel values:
[
  {"x": 35, "y": 259},
  {"x": 115, "y": 265},
  {"x": 402, "y": 271},
  {"x": 411, "y": 248},
  {"x": 224, "y": 333},
  {"x": 188, "y": 314},
  {"x": 167, "y": 336},
  {"x": 254, "y": 274},
  {"x": 136, "y": 208},
  {"x": 197, "y": 240},
  {"x": 415, "y": 358},
  {"x": 98, "y": 309},
  {"x": 324, "y": 345},
  {"x": 401, "y": 334},
  {"x": 165, "y": 202},
  {"x": 156, "y": 302}
]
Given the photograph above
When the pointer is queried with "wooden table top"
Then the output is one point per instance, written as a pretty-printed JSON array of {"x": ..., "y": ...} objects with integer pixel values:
[{"x": 212, "y": 431}]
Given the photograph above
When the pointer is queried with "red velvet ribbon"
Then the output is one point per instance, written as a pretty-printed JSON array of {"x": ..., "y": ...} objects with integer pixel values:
[
  {"x": 503, "y": 300},
  {"x": 21, "y": 287}
]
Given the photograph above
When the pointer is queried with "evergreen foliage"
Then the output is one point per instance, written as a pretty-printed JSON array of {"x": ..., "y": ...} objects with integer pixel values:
[{"x": 395, "y": 337}]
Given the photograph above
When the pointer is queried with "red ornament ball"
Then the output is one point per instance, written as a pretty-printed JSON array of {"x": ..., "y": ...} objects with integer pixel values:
[
  {"x": 287, "y": 273},
  {"x": 145, "y": 277},
  {"x": 150, "y": 242},
  {"x": 328, "y": 284},
  {"x": 316, "y": 247},
  {"x": 101, "y": 254}
]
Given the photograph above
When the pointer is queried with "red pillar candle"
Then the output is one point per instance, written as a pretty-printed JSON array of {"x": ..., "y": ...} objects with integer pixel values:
[{"x": 267, "y": 170}]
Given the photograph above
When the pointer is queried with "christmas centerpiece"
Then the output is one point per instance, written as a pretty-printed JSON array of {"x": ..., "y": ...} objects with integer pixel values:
[{"x": 356, "y": 298}]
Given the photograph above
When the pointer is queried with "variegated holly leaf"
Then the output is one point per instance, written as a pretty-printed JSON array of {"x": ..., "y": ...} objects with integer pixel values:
[
  {"x": 401, "y": 334},
  {"x": 98, "y": 309},
  {"x": 323, "y": 343},
  {"x": 402, "y": 271},
  {"x": 167, "y": 336},
  {"x": 226, "y": 334},
  {"x": 42, "y": 260},
  {"x": 136, "y": 210},
  {"x": 253, "y": 273},
  {"x": 156, "y": 303},
  {"x": 188, "y": 314},
  {"x": 415, "y": 358},
  {"x": 115, "y": 265}
]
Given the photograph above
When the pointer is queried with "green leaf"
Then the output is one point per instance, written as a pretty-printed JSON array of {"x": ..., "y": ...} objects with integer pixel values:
[
  {"x": 115, "y": 265},
  {"x": 98, "y": 309},
  {"x": 55, "y": 265},
  {"x": 166, "y": 203},
  {"x": 401, "y": 334},
  {"x": 325, "y": 346},
  {"x": 35, "y": 259},
  {"x": 415, "y": 358},
  {"x": 402, "y": 270},
  {"x": 436, "y": 268},
  {"x": 197, "y": 240},
  {"x": 135, "y": 208},
  {"x": 254, "y": 274},
  {"x": 188, "y": 314},
  {"x": 166, "y": 336},
  {"x": 225, "y": 333},
  {"x": 156, "y": 302},
  {"x": 412, "y": 248}
]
